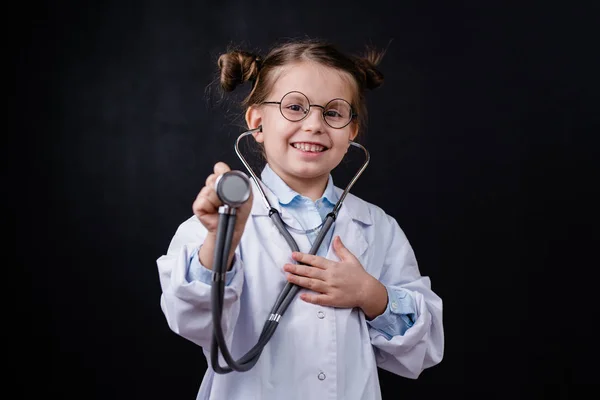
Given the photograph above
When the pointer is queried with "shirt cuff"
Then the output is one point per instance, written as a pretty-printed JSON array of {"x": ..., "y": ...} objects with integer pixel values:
[
  {"x": 198, "y": 272},
  {"x": 399, "y": 315}
]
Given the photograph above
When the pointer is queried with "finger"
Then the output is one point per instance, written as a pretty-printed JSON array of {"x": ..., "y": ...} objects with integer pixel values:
[
  {"x": 307, "y": 283},
  {"x": 316, "y": 298},
  {"x": 210, "y": 180},
  {"x": 220, "y": 168},
  {"x": 305, "y": 270},
  {"x": 343, "y": 253},
  {"x": 203, "y": 206},
  {"x": 310, "y": 259},
  {"x": 207, "y": 202},
  {"x": 210, "y": 194}
]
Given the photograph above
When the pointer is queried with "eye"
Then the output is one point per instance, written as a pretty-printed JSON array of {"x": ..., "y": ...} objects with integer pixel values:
[
  {"x": 333, "y": 114},
  {"x": 295, "y": 108}
]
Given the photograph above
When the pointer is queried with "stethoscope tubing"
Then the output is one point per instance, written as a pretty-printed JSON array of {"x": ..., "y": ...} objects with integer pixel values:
[{"x": 226, "y": 224}]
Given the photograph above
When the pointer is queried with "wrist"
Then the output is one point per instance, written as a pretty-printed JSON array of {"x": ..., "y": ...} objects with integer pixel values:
[
  {"x": 206, "y": 252},
  {"x": 375, "y": 299}
]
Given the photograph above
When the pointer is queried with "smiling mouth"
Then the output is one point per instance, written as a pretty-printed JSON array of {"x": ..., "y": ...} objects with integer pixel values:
[{"x": 309, "y": 147}]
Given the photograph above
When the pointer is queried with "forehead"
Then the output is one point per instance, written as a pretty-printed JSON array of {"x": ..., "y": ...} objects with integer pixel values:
[{"x": 319, "y": 83}]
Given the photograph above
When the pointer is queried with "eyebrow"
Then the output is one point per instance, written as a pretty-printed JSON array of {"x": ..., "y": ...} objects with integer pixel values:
[{"x": 313, "y": 103}]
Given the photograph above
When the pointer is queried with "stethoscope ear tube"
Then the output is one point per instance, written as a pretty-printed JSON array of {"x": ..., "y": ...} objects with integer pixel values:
[{"x": 233, "y": 196}]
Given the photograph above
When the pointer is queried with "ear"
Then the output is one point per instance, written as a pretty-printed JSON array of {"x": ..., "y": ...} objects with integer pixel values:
[
  {"x": 353, "y": 131},
  {"x": 253, "y": 120}
]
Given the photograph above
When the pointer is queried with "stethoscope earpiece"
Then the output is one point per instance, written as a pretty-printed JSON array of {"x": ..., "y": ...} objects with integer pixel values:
[{"x": 233, "y": 188}]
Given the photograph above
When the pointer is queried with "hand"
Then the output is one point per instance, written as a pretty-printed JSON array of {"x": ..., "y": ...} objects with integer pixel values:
[
  {"x": 343, "y": 284},
  {"x": 206, "y": 208},
  {"x": 207, "y": 203}
]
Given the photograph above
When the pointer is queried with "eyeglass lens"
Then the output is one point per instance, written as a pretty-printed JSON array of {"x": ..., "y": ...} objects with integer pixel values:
[{"x": 295, "y": 106}]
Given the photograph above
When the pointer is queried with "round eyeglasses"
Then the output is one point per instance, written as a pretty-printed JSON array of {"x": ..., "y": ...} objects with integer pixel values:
[{"x": 294, "y": 106}]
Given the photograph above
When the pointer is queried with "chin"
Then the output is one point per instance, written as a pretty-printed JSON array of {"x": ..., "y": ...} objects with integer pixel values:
[{"x": 310, "y": 172}]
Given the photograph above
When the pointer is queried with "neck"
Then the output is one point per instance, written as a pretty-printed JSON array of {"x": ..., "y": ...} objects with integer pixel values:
[{"x": 313, "y": 188}]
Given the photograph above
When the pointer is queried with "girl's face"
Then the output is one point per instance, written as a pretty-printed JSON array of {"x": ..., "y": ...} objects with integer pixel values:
[{"x": 304, "y": 153}]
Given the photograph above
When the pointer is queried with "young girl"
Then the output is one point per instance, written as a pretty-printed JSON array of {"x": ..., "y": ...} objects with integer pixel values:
[{"x": 363, "y": 304}]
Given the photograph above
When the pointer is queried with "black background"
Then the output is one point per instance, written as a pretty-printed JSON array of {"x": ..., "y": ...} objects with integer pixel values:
[{"x": 481, "y": 141}]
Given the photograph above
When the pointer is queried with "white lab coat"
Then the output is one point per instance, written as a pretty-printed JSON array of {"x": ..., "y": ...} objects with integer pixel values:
[{"x": 317, "y": 352}]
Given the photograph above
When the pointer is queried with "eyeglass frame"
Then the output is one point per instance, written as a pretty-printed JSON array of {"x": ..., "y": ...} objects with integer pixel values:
[{"x": 353, "y": 114}]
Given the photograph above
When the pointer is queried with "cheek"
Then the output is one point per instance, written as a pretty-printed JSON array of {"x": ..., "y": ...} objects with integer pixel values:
[
  {"x": 270, "y": 123},
  {"x": 342, "y": 151},
  {"x": 342, "y": 140},
  {"x": 279, "y": 131}
]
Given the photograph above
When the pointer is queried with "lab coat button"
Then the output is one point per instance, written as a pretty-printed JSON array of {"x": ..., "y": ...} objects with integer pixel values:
[
  {"x": 321, "y": 376},
  {"x": 321, "y": 314},
  {"x": 394, "y": 305}
]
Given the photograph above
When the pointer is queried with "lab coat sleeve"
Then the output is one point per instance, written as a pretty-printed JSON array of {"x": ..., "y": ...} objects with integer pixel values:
[
  {"x": 185, "y": 303},
  {"x": 422, "y": 345}
]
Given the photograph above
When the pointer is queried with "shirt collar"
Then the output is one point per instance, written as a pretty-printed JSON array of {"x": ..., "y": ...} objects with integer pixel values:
[
  {"x": 353, "y": 207},
  {"x": 286, "y": 195}
]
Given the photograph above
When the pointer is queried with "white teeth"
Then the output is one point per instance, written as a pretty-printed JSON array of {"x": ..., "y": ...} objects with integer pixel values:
[{"x": 315, "y": 148}]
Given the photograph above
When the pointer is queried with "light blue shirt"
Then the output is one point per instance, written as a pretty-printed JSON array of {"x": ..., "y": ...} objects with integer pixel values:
[{"x": 399, "y": 314}]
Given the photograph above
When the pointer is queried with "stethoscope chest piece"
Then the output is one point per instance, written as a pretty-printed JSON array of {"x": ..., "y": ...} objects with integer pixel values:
[{"x": 233, "y": 188}]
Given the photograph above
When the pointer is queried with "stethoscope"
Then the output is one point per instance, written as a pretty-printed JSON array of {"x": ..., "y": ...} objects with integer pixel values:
[{"x": 233, "y": 189}]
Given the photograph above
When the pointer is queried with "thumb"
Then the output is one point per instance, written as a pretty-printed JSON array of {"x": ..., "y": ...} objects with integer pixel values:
[
  {"x": 220, "y": 168},
  {"x": 341, "y": 250}
]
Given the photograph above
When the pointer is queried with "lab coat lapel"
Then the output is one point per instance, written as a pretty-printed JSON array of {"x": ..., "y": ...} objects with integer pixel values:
[{"x": 349, "y": 226}]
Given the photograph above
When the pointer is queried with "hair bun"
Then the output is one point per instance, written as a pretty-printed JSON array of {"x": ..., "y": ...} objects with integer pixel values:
[
  {"x": 373, "y": 78},
  {"x": 236, "y": 68}
]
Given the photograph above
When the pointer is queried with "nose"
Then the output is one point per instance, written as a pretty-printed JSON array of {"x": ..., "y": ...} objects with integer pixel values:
[{"x": 314, "y": 121}]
